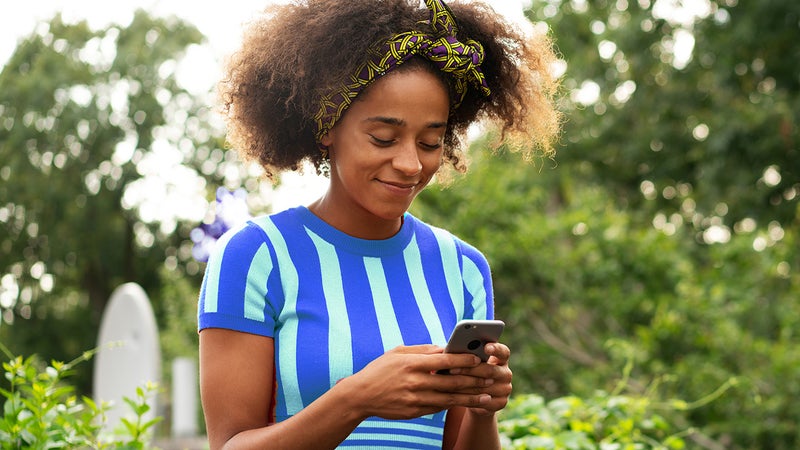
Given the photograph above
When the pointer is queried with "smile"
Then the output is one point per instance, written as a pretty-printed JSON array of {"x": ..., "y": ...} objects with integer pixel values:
[{"x": 399, "y": 188}]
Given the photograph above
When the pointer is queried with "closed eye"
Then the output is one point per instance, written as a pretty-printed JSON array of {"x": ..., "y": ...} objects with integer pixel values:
[
  {"x": 435, "y": 146},
  {"x": 381, "y": 142}
]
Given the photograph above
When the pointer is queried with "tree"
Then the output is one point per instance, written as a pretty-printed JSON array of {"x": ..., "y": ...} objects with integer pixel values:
[
  {"x": 87, "y": 118},
  {"x": 712, "y": 136}
]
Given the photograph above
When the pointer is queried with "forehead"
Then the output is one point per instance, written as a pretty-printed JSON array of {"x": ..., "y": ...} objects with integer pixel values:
[{"x": 407, "y": 94}]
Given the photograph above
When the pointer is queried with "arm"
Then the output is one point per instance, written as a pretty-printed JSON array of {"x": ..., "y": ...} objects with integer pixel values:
[
  {"x": 476, "y": 428},
  {"x": 236, "y": 378}
]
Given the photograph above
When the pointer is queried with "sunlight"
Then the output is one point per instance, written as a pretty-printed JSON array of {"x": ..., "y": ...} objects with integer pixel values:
[{"x": 169, "y": 191}]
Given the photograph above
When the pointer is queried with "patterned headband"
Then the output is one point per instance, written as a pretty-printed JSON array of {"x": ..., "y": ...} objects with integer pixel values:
[{"x": 442, "y": 48}]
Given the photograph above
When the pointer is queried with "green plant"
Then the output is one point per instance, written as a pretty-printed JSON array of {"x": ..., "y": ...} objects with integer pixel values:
[
  {"x": 605, "y": 420},
  {"x": 139, "y": 430},
  {"x": 41, "y": 411}
]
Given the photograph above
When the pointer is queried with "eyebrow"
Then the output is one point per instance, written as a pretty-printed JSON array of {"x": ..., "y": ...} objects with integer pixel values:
[{"x": 399, "y": 122}]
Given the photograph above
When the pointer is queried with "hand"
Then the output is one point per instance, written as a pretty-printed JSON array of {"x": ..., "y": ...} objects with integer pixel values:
[
  {"x": 402, "y": 383},
  {"x": 497, "y": 370}
]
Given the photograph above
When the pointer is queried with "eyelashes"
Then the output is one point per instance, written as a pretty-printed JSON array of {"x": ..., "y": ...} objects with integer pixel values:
[{"x": 389, "y": 142}]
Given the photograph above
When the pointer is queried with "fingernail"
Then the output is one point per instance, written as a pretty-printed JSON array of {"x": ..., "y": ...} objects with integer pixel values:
[
  {"x": 455, "y": 371},
  {"x": 488, "y": 382},
  {"x": 485, "y": 398}
]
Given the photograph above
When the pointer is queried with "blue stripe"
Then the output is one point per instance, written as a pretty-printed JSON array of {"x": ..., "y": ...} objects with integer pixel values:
[
  {"x": 255, "y": 300},
  {"x": 388, "y": 445},
  {"x": 339, "y": 340},
  {"x": 287, "y": 354},
  {"x": 387, "y": 321},
  {"x": 422, "y": 295},
  {"x": 388, "y": 440},
  {"x": 474, "y": 282},
  {"x": 416, "y": 433}
]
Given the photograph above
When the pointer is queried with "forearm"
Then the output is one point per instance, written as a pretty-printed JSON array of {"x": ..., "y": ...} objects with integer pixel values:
[
  {"x": 478, "y": 432},
  {"x": 323, "y": 424}
]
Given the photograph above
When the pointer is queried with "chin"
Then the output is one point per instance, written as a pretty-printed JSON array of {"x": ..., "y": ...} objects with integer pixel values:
[{"x": 389, "y": 214}]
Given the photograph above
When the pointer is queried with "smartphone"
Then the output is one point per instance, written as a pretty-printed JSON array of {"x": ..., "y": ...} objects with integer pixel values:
[{"x": 470, "y": 336}]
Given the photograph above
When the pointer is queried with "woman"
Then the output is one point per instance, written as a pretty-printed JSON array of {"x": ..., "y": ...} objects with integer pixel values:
[{"x": 323, "y": 326}]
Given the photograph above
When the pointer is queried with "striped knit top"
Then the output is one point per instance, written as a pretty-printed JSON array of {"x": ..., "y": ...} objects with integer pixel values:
[{"x": 333, "y": 303}]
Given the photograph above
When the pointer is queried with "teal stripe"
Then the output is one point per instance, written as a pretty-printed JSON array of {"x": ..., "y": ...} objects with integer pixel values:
[
  {"x": 447, "y": 247},
  {"x": 214, "y": 270},
  {"x": 287, "y": 337},
  {"x": 255, "y": 299},
  {"x": 428, "y": 442},
  {"x": 387, "y": 320},
  {"x": 421, "y": 293},
  {"x": 400, "y": 425},
  {"x": 339, "y": 341},
  {"x": 474, "y": 282}
]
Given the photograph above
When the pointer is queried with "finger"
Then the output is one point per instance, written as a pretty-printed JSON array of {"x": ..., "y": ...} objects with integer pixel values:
[
  {"x": 498, "y": 401},
  {"x": 462, "y": 383},
  {"x": 488, "y": 370},
  {"x": 452, "y": 362},
  {"x": 489, "y": 410},
  {"x": 423, "y": 349},
  {"x": 498, "y": 353},
  {"x": 451, "y": 399},
  {"x": 496, "y": 387}
]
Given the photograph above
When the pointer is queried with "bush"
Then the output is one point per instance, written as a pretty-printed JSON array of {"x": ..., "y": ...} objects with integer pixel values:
[
  {"x": 616, "y": 420},
  {"x": 604, "y": 421},
  {"x": 41, "y": 411}
]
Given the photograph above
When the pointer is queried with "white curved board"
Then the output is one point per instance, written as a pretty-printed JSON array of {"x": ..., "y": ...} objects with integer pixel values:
[{"x": 129, "y": 354}]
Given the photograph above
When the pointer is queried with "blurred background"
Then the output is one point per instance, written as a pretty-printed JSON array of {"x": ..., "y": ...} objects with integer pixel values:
[{"x": 659, "y": 245}]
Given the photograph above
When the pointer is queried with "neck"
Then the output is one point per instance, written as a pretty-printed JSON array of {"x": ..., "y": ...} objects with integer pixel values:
[{"x": 355, "y": 221}]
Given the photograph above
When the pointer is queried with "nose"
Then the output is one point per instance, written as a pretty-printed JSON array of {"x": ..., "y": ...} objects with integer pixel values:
[{"x": 406, "y": 160}]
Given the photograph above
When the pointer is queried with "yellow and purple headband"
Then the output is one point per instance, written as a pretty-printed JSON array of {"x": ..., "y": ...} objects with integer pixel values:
[{"x": 442, "y": 48}]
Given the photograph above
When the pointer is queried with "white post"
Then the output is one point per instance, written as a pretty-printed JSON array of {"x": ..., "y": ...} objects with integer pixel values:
[
  {"x": 129, "y": 354},
  {"x": 184, "y": 398}
]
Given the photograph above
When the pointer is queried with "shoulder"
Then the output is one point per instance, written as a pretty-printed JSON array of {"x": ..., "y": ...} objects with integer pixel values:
[
  {"x": 248, "y": 238},
  {"x": 446, "y": 238}
]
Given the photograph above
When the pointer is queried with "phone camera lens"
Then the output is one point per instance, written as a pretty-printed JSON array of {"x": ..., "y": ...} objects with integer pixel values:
[
  {"x": 467, "y": 327},
  {"x": 474, "y": 344}
]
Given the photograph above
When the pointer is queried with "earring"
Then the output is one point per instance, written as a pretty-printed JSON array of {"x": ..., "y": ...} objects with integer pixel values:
[
  {"x": 324, "y": 164},
  {"x": 324, "y": 168}
]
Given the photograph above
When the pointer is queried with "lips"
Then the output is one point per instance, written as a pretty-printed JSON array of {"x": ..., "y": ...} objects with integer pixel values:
[{"x": 399, "y": 187}]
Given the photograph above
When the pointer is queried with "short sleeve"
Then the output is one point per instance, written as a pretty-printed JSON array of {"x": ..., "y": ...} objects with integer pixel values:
[
  {"x": 477, "y": 276},
  {"x": 240, "y": 289}
]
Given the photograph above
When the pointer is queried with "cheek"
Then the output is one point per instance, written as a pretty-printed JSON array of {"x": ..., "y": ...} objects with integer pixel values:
[
  {"x": 431, "y": 162},
  {"x": 352, "y": 167}
]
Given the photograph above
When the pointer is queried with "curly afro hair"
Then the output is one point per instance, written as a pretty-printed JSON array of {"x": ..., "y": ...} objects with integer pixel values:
[{"x": 295, "y": 53}]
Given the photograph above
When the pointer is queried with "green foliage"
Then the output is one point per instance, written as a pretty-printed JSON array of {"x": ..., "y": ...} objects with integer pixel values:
[
  {"x": 41, "y": 411},
  {"x": 669, "y": 219},
  {"x": 601, "y": 421},
  {"x": 574, "y": 271},
  {"x": 713, "y": 125},
  {"x": 89, "y": 118},
  {"x": 178, "y": 331},
  {"x": 138, "y": 429}
]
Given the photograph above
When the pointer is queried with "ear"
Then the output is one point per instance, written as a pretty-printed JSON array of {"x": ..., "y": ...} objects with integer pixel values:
[{"x": 327, "y": 139}]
